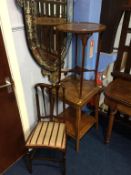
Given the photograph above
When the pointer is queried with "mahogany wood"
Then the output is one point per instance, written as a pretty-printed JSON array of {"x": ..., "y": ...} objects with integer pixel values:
[
  {"x": 85, "y": 123},
  {"x": 118, "y": 92},
  {"x": 79, "y": 91},
  {"x": 72, "y": 86},
  {"x": 78, "y": 122},
  {"x": 83, "y": 31},
  {"x": 81, "y": 27}
]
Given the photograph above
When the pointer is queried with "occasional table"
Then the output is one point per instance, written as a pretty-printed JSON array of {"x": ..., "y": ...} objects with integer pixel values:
[{"x": 78, "y": 91}]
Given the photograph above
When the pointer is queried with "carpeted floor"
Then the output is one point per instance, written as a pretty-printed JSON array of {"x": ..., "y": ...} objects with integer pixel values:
[{"x": 94, "y": 157}]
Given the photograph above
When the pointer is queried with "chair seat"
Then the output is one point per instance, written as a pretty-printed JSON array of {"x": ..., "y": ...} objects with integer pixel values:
[
  {"x": 117, "y": 91},
  {"x": 48, "y": 134}
]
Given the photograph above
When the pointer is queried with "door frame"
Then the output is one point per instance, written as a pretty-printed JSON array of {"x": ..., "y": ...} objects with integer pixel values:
[{"x": 13, "y": 65}]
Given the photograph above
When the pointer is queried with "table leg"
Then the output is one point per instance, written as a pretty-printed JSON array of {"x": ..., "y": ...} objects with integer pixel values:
[
  {"x": 110, "y": 125},
  {"x": 84, "y": 39},
  {"x": 97, "y": 97},
  {"x": 78, "y": 119}
]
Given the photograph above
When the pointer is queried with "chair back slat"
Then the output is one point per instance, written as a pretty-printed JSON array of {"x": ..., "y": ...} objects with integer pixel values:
[
  {"x": 47, "y": 99},
  {"x": 122, "y": 41},
  {"x": 57, "y": 104},
  {"x": 128, "y": 61},
  {"x": 51, "y": 8},
  {"x": 37, "y": 103},
  {"x": 129, "y": 30},
  {"x": 58, "y": 10},
  {"x": 44, "y": 102},
  {"x": 122, "y": 66},
  {"x": 51, "y": 103}
]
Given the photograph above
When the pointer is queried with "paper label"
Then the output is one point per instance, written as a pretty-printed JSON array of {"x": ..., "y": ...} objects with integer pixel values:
[{"x": 91, "y": 48}]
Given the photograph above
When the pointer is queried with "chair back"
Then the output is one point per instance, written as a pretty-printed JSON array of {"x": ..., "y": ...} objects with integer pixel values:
[
  {"x": 122, "y": 66},
  {"x": 47, "y": 101}
]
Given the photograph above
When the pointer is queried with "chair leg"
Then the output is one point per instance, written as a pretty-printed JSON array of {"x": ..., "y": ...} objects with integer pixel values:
[
  {"x": 110, "y": 125},
  {"x": 64, "y": 163},
  {"x": 97, "y": 109},
  {"x": 29, "y": 161}
]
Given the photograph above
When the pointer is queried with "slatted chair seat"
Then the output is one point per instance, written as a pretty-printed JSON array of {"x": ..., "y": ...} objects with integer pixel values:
[{"x": 48, "y": 134}]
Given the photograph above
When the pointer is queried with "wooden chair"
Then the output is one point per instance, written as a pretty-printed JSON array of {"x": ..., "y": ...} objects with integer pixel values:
[
  {"x": 50, "y": 130},
  {"x": 118, "y": 92}
]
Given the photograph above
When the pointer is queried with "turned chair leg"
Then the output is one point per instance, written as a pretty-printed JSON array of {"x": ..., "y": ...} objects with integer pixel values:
[
  {"x": 64, "y": 164},
  {"x": 110, "y": 126},
  {"x": 97, "y": 109},
  {"x": 29, "y": 161}
]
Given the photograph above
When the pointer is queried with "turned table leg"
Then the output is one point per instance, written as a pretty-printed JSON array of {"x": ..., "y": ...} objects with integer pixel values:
[
  {"x": 78, "y": 118},
  {"x": 110, "y": 125},
  {"x": 97, "y": 97}
]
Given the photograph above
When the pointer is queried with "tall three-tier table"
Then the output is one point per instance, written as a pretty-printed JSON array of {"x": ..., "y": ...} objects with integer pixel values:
[{"x": 78, "y": 91}]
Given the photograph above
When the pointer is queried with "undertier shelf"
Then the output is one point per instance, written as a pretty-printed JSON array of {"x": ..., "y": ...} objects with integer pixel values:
[{"x": 86, "y": 122}]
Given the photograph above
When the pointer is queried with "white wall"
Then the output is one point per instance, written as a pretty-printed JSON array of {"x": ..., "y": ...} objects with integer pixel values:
[
  {"x": 29, "y": 71},
  {"x": 24, "y": 70}
]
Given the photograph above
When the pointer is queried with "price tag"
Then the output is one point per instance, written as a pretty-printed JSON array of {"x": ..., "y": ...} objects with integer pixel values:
[{"x": 91, "y": 51}]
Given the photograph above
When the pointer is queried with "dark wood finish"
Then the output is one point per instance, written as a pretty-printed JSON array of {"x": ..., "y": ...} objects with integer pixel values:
[
  {"x": 46, "y": 21},
  {"x": 78, "y": 122},
  {"x": 50, "y": 130},
  {"x": 79, "y": 91},
  {"x": 85, "y": 123},
  {"x": 83, "y": 31},
  {"x": 12, "y": 145},
  {"x": 110, "y": 16},
  {"x": 118, "y": 92},
  {"x": 72, "y": 86},
  {"x": 81, "y": 28}
]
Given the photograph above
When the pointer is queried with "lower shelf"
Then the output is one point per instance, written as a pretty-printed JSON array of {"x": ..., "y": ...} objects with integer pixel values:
[{"x": 85, "y": 124}]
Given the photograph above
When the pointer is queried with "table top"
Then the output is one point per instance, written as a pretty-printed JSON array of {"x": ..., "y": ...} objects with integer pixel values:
[{"x": 81, "y": 27}]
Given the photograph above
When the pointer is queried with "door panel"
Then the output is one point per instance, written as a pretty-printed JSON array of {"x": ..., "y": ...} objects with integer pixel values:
[{"x": 11, "y": 133}]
